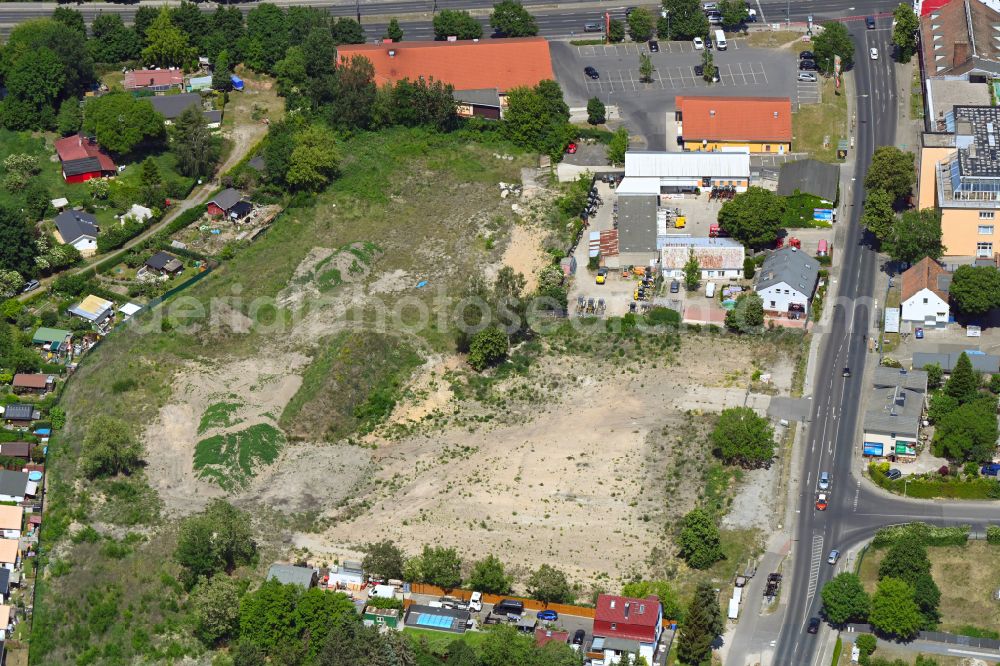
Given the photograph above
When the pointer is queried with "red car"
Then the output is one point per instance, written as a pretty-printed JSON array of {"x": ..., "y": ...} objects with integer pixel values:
[
  {"x": 571, "y": 148},
  {"x": 821, "y": 503}
]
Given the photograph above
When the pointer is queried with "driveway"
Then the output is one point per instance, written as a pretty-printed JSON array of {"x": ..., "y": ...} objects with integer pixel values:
[{"x": 645, "y": 107}]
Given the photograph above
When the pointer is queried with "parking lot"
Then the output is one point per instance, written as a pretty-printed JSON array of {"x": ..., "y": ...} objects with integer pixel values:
[{"x": 675, "y": 78}]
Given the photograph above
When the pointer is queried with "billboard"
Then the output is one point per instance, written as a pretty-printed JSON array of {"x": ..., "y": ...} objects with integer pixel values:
[
  {"x": 872, "y": 449},
  {"x": 824, "y": 214}
]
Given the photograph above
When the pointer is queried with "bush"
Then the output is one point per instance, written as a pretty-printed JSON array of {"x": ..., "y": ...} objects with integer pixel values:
[
  {"x": 993, "y": 534},
  {"x": 929, "y": 535},
  {"x": 115, "y": 236}
]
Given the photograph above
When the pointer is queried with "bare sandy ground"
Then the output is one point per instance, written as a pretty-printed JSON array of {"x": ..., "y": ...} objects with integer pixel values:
[{"x": 524, "y": 253}]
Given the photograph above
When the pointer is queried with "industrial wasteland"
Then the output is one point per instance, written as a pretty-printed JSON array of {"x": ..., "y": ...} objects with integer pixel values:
[{"x": 500, "y": 333}]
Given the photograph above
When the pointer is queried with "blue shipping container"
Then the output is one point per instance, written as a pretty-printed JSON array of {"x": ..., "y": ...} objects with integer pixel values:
[{"x": 237, "y": 82}]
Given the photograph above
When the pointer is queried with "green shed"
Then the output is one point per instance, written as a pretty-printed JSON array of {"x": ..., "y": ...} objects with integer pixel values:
[{"x": 381, "y": 616}]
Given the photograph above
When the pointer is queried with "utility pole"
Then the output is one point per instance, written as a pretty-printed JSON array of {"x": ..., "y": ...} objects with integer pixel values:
[{"x": 357, "y": 7}]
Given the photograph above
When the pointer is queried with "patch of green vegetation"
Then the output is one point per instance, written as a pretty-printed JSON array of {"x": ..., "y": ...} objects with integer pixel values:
[
  {"x": 930, "y": 486},
  {"x": 917, "y": 96},
  {"x": 799, "y": 212},
  {"x": 219, "y": 415},
  {"x": 49, "y": 175},
  {"x": 437, "y": 642},
  {"x": 128, "y": 501},
  {"x": 977, "y": 632},
  {"x": 329, "y": 280},
  {"x": 230, "y": 459},
  {"x": 813, "y": 123},
  {"x": 351, "y": 385}
]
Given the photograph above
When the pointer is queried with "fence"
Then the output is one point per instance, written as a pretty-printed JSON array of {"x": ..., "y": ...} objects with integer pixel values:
[{"x": 940, "y": 637}]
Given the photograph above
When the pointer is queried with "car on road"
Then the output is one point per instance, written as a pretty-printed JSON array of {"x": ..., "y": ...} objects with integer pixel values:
[
  {"x": 813, "y": 625},
  {"x": 990, "y": 469},
  {"x": 824, "y": 481},
  {"x": 31, "y": 286},
  {"x": 846, "y": 372},
  {"x": 628, "y": 11},
  {"x": 870, "y": 22},
  {"x": 699, "y": 71},
  {"x": 699, "y": 44},
  {"x": 593, "y": 26},
  {"x": 833, "y": 557},
  {"x": 675, "y": 286},
  {"x": 654, "y": 46},
  {"x": 806, "y": 55},
  {"x": 602, "y": 275},
  {"x": 873, "y": 53},
  {"x": 548, "y": 615},
  {"x": 807, "y": 65},
  {"x": 821, "y": 502},
  {"x": 807, "y": 76},
  {"x": 918, "y": 333},
  {"x": 591, "y": 72},
  {"x": 893, "y": 474},
  {"x": 571, "y": 148}
]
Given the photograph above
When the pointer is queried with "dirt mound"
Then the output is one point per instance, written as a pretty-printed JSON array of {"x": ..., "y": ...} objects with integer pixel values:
[{"x": 324, "y": 269}]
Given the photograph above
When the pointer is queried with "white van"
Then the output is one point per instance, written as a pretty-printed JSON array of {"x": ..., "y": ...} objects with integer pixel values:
[
  {"x": 720, "y": 40},
  {"x": 710, "y": 290}
]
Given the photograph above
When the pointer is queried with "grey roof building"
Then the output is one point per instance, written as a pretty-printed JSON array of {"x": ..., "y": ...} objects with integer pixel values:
[
  {"x": 226, "y": 199},
  {"x": 896, "y": 402},
  {"x": 637, "y": 223},
  {"x": 291, "y": 574},
  {"x": 790, "y": 266},
  {"x": 20, "y": 412},
  {"x": 987, "y": 363},
  {"x": 13, "y": 484},
  {"x": 75, "y": 224},
  {"x": 453, "y": 620},
  {"x": 172, "y": 106},
  {"x": 809, "y": 177}
]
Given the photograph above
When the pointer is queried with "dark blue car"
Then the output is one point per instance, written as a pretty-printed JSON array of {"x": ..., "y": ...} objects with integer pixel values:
[{"x": 548, "y": 615}]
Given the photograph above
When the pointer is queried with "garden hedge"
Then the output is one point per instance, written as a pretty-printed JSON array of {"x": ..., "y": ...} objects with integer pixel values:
[{"x": 930, "y": 535}]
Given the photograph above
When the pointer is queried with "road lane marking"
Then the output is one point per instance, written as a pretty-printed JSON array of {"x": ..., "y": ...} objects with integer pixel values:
[{"x": 815, "y": 562}]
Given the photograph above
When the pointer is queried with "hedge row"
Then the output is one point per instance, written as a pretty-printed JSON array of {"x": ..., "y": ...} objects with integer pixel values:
[
  {"x": 993, "y": 534},
  {"x": 930, "y": 535},
  {"x": 935, "y": 486}
]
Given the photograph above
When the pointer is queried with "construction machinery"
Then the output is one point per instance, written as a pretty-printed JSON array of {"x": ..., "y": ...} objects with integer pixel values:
[{"x": 602, "y": 275}]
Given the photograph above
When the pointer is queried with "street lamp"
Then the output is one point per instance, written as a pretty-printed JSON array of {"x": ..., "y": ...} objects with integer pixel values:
[
  {"x": 669, "y": 35},
  {"x": 906, "y": 482},
  {"x": 357, "y": 7}
]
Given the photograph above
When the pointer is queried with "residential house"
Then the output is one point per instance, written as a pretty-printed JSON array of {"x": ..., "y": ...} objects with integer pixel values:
[
  {"x": 543, "y": 636},
  {"x": 153, "y": 80},
  {"x": 627, "y": 625},
  {"x": 480, "y": 71},
  {"x": 757, "y": 124},
  {"x": 227, "y": 203},
  {"x": 381, "y": 617},
  {"x": 20, "y": 414},
  {"x": 33, "y": 383},
  {"x": 452, "y": 620},
  {"x": 655, "y": 172},
  {"x": 347, "y": 575},
  {"x": 164, "y": 263},
  {"x": 960, "y": 174},
  {"x": 79, "y": 229},
  {"x": 9, "y": 553},
  {"x": 718, "y": 258},
  {"x": 52, "y": 339},
  {"x": 987, "y": 364},
  {"x": 958, "y": 39},
  {"x": 290, "y": 574},
  {"x": 786, "y": 281},
  {"x": 13, "y": 485},
  {"x": 94, "y": 309},
  {"x": 15, "y": 450},
  {"x": 172, "y": 106},
  {"x": 892, "y": 417},
  {"x": 819, "y": 179},
  {"x": 925, "y": 293},
  {"x": 11, "y": 520},
  {"x": 82, "y": 159}
]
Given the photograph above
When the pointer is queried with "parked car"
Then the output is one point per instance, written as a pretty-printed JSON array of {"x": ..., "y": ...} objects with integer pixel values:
[
  {"x": 571, "y": 148},
  {"x": 893, "y": 474},
  {"x": 807, "y": 65},
  {"x": 508, "y": 607},
  {"x": 675, "y": 286},
  {"x": 870, "y": 22},
  {"x": 991, "y": 469},
  {"x": 821, "y": 502},
  {"x": 807, "y": 76},
  {"x": 476, "y": 602},
  {"x": 591, "y": 72},
  {"x": 31, "y": 286},
  {"x": 918, "y": 333},
  {"x": 602, "y": 275},
  {"x": 824, "y": 481},
  {"x": 846, "y": 372},
  {"x": 698, "y": 44},
  {"x": 833, "y": 557},
  {"x": 813, "y": 625},
  {"x": 654, "y": 46},
  {"x": 806, "y": 55},
  {"x": 699, "y": 71},
  {"x": 547, "y": 616}
]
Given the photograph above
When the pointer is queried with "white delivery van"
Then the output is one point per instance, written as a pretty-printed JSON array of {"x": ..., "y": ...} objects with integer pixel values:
[
  {"x": 710, "y": 290},
  {"x": 476, "y": 602},
  {"x": 720, "y": 40}
]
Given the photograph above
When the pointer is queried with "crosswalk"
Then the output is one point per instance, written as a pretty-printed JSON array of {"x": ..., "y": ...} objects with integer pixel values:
[{"x": 815, "y": 562}]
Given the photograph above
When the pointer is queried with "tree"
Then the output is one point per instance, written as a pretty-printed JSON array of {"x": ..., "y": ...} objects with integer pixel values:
[
  {"x": 866, "y": 644},
  {"x": 144, "y": 17},
  {"x": 928, "y": 597},
  {"x": 266, "y": 37},
  {"x": 904, "y": 31},
  {"x": 267, "y": 617},
  {"x": 833, "y": 40},
  {"x": 550, "y": 586},
  {"x": 166, "y": 45},
  {"x": 218, "y": 539},
  {"x": 414, "y": 103},
  {"x": 70, "y": 117},
  {"x": 645, "y": 66},
  {"x": 36, "y": 82},
  {"x": 747, "y": 316},
  {"x": 734, "y": 13},
  {"x": 70, "y": 18},
  {"x": 349, "y": 643},
  {"x": 975, "y": 289},
  {"x": 112, "y": 41},
  {"x": 687, "y": 19},
  {"x": 394, "y": 31},
  {"x": 110, "y": 448},
  {"x": 969, "y": 432},
  {"x": 121, "y": 123},
  {"x": 150, "y": 182},
  {"x": 315, "y": 611},
  {"x": 964, "y": 382},
  {"x": 894, "y": 611},
  {"x": 456, "y": 23},
  {"x": 11, "y": 283},
  {"x": 435, "y": 565},
  {"x": 68, "y": 44},
  {"x": 461, "y": 654},
  {"x": 354, "y": 95},
  {"x": 618, "y": 146},
  {"x": 196, "y": 150},
  {"x": 193, "y": 23},
  {"x": 878, "y": 214},
  {"x": 535, "y": 119},
  {"x": 641, "y": 24},
  {"x": 488, "y": 347},
  {"x": 488, "y": 576},
  {"x": 222, "y": 72},
  {"x": 669, "y": 598},
  {"x": 934, "y": 375},
  {"x": 511, "y": 19},
  {"x": 906, "y": 559},
  {"x": 845, "y": 600},
  {"x": 741, "y": 437},
  {"x": 616, "y": 31},
  {"x": 314, "y": 160},
  {"x": 596, "y": 113},
  {"x": 702, "y": 626},
  {"x": 917, "y": 234},
  {"x": 891, "y": 171},
  {"x": 348, "y": 31},
  {"x": 692, "y": 272},
  {"x": 383, "y": 560},
  {"x": 699, "y": 541},
  {"x": 504, "y": 645},
  {"x": 216, "y": 604},
  {"x": 753, "y": 217}
]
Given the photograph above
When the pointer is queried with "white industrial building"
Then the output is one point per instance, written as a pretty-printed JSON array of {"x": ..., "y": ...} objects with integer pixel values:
[{"x": 656, "y": 172}]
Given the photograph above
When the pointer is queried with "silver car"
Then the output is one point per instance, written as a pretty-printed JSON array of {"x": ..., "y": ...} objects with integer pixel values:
[
  {"x": 824, "y": 481},
  {"x": 807, "y": 76}
]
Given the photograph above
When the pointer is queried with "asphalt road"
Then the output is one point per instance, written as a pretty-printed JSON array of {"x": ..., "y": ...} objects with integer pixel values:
[
  {"x": 856, "y": 508},
  {"x": 558, "y": 19}
]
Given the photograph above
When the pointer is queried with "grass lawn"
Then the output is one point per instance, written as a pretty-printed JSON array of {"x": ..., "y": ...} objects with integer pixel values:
[
  {"x": 176, "y": 185},
  {"x": 437, "y": 642},
  {"x": 813, "y": 123},
  {"x": 891, "y": 653},
  {"x": 773, "y": 39},
  {"x": 799, "y": 212},
  {"x": 916, "y": 96},
  {"x": 39, "y": 146},
  {"x": 967, "y": 576}
]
